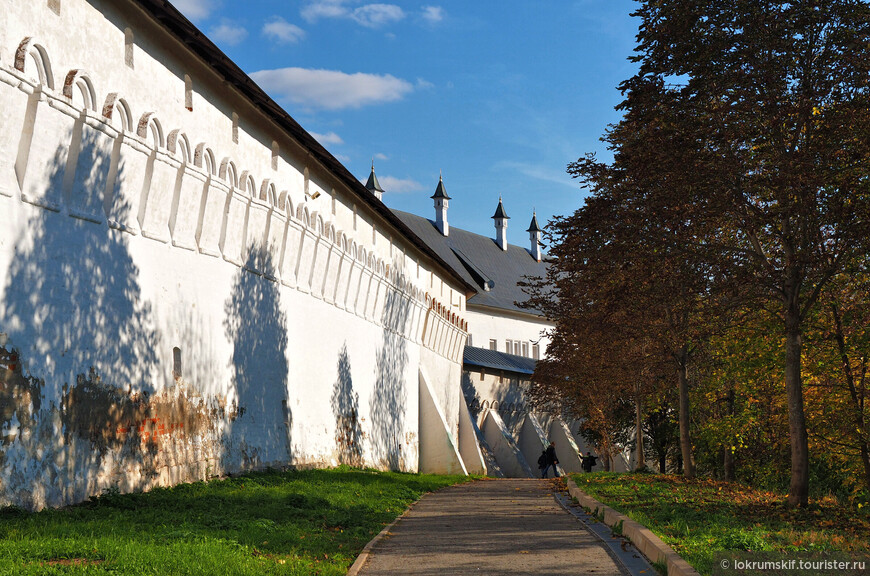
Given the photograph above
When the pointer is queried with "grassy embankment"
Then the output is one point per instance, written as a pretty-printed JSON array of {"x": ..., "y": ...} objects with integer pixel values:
[
  {"x": 698, "y": 518},
  {"x": 304, "y": 522}
]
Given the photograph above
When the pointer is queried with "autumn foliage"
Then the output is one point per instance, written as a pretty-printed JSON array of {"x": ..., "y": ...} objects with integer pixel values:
[{"x": 713, "y": 290}]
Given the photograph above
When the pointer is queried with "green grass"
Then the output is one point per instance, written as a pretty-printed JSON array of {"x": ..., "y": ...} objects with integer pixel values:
[
  {"x": 700, "y": 518},
  {"x": 302, "y": 522}
]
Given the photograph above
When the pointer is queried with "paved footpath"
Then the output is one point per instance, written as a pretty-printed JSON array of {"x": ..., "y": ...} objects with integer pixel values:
[{"x": 489, "y": 527}]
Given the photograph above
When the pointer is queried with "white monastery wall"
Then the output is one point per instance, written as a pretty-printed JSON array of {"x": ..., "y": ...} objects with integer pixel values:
[
  {"x": 174, "y": 302},
  {"x": 484, "y": 324}
]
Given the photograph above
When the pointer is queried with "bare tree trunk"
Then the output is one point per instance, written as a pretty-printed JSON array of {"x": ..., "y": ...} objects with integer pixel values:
[
  {"x": 798, "y": 494},
  {"x": 641, "y": 459},
  {"x": 685, "y": 438}
]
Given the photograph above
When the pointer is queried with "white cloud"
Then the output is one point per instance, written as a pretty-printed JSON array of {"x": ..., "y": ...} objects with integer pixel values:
[
  {"x": 228, "y": 33},
  {"x": 376, "y": 15},
  {"x": 381, "y": 156},
  {"x": 399, "y": 185},
  {"x": 279, "y": 30},
  {"x": 324, "y": 9},
  {"x": 433, "y": 14},
  {"x": 331, "y": 89},
  {"x": 194, "y": 9},
  {"x": 328, "y": 138},
  {"x": 368, "y": 15}
]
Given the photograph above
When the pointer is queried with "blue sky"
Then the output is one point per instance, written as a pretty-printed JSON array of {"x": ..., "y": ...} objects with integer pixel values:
[{"x": 497, "y": 96}]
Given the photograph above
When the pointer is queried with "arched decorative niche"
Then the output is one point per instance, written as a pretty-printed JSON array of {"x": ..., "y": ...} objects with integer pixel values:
[
  {"x": 228, "y": 173},
  {"x": 150, "y": 129},
  {"x": 203, "y": 157},
  {"x": 179, "y": 146},
  {"x": 78, "y": 87},
  {"x": 31, "y": 58},
  {"x": 247, "y": 184},
  {"x": 353, "y": 249},
  {"x": 117, "y": 112},
  {"x": 285, "y": 204},
  {"x": 268, "y": 193},
  {"x": 303, "y": 215},
  {"x": 362, "y": 255},
  {"x": 330, "y": 233},
  {"x": 318, "y": 225}
]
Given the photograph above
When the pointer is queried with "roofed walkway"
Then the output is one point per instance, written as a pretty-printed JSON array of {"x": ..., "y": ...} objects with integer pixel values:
[{"x": 490, "y": 527}]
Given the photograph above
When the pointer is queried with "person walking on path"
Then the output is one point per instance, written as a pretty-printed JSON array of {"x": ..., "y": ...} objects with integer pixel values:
[
  {"x": 589, "y": 462},
  {"x": 551, "y": 460}
]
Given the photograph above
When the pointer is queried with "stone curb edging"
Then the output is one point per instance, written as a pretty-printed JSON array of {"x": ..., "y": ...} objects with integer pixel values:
[
  {"x": 367, "y": 549},
  {"x": 648, "y": 543}
]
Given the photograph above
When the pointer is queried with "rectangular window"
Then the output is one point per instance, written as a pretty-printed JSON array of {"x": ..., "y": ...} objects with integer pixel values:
[
  {"x": 526, "y": 349},
  {"x": 509, "y": 346},
  {"x": 482, "y": 375},
  {"x": 536, "y": 352},
  {"x": 470, "y": 341},
  {"x": 493, "y": 345}
]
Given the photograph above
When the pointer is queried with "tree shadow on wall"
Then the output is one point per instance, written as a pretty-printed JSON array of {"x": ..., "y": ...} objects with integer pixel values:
[
  {"x": 261, "y": 433},
  {"x": 73, "y": 312},
  {"x": 345, "y": 407},
  {"x": 389, "y": 397}
]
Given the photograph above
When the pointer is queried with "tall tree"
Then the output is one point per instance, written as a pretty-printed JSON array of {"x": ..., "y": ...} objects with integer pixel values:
[{"x": 747, "y": 135}]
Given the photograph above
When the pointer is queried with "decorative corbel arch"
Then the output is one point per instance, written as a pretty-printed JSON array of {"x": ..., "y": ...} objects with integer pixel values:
[
  {"x": 78, "y": 85},
  {"x": 117, "y": 111},
  {"x": 268, "y": 193},
  {"x": 247, "y": 184},
  {"x": 228, "y": 173},
  {"x": 149, "y": 128},
  {"x": 203, "y": 157},
  {"x": 30, "y": 51},
  {"x": 178, "y": 141}
]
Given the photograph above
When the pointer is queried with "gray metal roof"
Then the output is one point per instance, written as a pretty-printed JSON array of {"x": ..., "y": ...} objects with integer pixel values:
[
  {"x": 495, "y": 360},
  {"x": 480, "y": 261}
]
